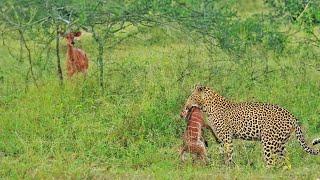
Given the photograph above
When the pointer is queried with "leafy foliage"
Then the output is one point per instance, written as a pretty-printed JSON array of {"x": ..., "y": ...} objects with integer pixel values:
[{"x": 146, "y": 55}]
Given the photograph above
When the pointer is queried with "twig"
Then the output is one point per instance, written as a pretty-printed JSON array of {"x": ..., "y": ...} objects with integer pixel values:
[
  {"x": 58, "y": 57},
  {"x": 305, "y": 8},
  {"x": 29, "y": 56}
]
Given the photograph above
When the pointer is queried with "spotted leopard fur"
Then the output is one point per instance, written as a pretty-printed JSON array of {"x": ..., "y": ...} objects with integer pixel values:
[{"x": 268, "y": 123}]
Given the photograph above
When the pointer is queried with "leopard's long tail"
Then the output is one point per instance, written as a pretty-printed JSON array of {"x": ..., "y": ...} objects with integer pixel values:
[
  {"x": 316, "y": 141},
  {"x": 303, "y": 143}
]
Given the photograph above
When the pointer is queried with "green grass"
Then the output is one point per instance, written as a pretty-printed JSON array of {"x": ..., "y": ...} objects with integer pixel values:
[{"x": 132, "y": 128}]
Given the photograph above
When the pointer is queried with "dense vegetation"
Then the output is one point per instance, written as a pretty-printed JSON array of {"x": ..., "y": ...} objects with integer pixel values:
[{"x": 145, "y": 56}]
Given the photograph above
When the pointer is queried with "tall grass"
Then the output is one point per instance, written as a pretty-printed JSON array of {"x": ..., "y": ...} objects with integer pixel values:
[{"x": 132, "y": 128}]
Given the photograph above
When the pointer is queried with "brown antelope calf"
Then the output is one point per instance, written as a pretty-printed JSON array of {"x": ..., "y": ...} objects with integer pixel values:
[
  {"x": 77, "y": 60},
  {"x": 192, "y": 137}
]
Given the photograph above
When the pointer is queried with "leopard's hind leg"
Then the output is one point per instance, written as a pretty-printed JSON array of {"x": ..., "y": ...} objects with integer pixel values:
[
  {"x": 269, "y": 149},
  {"x": 281, "y": 148}
]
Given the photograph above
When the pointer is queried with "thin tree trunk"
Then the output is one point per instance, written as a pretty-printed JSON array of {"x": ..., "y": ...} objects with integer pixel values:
[
  {"x": 101, "y": 64},
  {"x": 100, "y": 57},
  {"x": 58, "y": 58},
  {"x": 21, "y": 50},
  {"x": 29, "y": 57}
]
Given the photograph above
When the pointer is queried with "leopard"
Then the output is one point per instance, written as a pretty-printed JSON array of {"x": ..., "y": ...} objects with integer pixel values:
[{"x": 270, "y": 124}]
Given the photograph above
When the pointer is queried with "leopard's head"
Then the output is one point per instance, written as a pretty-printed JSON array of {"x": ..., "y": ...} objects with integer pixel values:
[{"x": 196, "y": 99}]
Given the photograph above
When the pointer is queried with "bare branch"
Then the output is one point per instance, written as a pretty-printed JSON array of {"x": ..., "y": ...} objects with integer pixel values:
[{"x": 304, "y": 10}]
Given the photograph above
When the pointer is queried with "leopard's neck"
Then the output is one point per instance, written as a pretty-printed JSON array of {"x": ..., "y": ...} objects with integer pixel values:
[{"x": 215, "y": 103}]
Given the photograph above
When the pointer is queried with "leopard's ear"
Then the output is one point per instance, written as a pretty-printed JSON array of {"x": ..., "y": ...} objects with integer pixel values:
[{"x": 199, "y": 87}]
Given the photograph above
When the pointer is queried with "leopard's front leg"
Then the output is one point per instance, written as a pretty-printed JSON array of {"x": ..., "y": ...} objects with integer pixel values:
[
  {"x": 228, "y": 150},
  {"x": 226, "y": 142},
  {"x": 224, "y": 135}
]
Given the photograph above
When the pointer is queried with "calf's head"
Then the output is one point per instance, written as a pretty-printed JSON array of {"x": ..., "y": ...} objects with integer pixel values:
[{"x": 70, "y": 37}]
